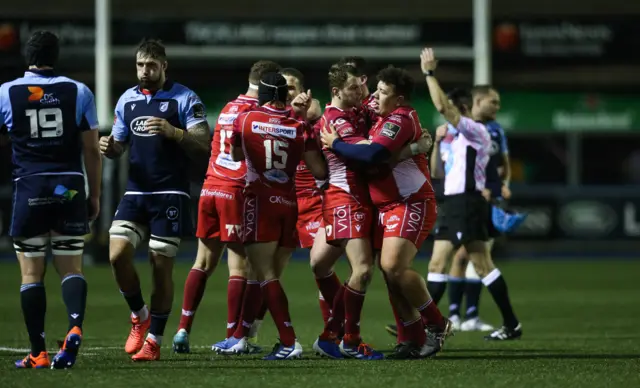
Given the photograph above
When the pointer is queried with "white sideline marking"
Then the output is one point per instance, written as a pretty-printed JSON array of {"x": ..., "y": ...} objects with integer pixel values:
[{"x": 94, "y": 349}]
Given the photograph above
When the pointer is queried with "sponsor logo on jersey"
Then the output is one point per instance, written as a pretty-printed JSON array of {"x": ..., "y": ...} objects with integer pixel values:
[
  {"x": 275, "y": 175},
  {"x": 227, "y": 118},
  {"x": 390, "y": 130},
  {"x": 274, "y": 130},
  {"x": 137, "y": 126}
]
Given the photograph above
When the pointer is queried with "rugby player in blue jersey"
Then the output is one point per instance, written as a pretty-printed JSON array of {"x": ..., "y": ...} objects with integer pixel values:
[
  {"x": 163, "y": 123},
  {"x": 52, "y": 123}
]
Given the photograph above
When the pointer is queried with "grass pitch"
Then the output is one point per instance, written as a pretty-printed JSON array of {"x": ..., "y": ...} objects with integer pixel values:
[{"x": 580, "y": 322}]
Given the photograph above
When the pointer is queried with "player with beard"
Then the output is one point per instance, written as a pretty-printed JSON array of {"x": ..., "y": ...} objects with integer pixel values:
[
  {"x": 465, "y": 212},
  {"x": 404, "y": 199},
  {"x": 52, "y": 124},
  {"x": 220, "y": 220},
  {"x": 164, "y": 125},
  {"x": 273, "y": 139}
]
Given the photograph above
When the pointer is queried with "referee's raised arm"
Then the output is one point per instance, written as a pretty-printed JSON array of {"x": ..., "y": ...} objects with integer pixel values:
[{"x": 428, "y": 63}]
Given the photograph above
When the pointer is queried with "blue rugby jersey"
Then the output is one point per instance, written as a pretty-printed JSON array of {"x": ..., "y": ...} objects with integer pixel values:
[
  {"x": 44, "y": 115},
  {"x": 156, "y": 164}
]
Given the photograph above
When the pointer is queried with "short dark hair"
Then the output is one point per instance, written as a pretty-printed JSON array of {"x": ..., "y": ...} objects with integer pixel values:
[
  {"x": 401, "y": 80},
  {"x": 260, "y": 68},
  {"x": 152, "y": 48},
  {"x": 42, "y": 49},
  {"x": 461, "y": 98},
  {"x": 481, "y": 90},
  {"x": 339, "y": 73},
  {"x": 295, "y": 73},
  {"x": 358, "y": 62}
]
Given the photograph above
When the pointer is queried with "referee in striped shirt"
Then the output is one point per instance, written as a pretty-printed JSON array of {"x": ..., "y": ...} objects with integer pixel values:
[{"x": 463, "y": 217}]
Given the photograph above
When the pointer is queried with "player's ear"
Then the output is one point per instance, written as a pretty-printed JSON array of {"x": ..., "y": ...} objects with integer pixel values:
[
  {"x": 400, "y": 101},
  {"x": 334, "y": 92},
  {"x": 165, "y": 65}
]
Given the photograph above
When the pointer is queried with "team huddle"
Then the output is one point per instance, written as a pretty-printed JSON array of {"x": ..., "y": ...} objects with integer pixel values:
[{"x": 351, "y": 179}]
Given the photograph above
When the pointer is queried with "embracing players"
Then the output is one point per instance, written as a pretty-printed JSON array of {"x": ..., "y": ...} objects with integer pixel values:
[
  {"x": 220, "y": 223},
  {"x": 273, "y": 139},
  {"x": 164, "y": 124},
  {"x": 403, "y": 197},
  {"x": 52, "y": 122}
]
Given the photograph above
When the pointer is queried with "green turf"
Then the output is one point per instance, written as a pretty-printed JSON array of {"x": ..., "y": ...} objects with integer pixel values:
[{"x": 580, "y": 330}]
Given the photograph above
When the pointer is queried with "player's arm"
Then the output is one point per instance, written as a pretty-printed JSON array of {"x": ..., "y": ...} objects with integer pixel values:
[
  {"x": 4, "y": 105},
  {"x": 236, "y": 151},
  {"x": 440, "y": 100},
  {"x": 315, "y": 110},
  {"x": 313, "y": 157},
  {"x": 196, "y": 140},
  {"x": 114, "y": 145},
  {"x": 90, "y": 147}
]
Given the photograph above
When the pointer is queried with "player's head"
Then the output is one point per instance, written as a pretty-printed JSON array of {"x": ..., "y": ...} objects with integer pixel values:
[
  {"x": 259, "y": 69},
  {"x": 151, "y": 64},
  {"x": 361, "y": 66},
  {"x": 395, "y": 87},
  {"x": 345, "y": 85},
  {"x": 295, "y": 82},
  {"x": 272, "y": 90},
  {"x": 42, "y": 49},
  {"x": 486, "y": 102},
  {"x": 461, "y": 99}
]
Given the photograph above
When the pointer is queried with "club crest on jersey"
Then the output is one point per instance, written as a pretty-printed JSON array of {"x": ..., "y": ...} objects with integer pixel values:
[
  {"x": 137, "y": 126},
  {"x": 275, "y": 175},
  {"x": 390, "y": 130},
  {"x": 164, "y": 106},
  {"x": 273, "y": 130}
]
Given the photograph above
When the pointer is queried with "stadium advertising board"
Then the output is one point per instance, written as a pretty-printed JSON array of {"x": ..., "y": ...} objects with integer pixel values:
[
  {"x": 526, "y": 111},
  {"x": 581, "y": 218},
  {"x": 567, "y": 41}
]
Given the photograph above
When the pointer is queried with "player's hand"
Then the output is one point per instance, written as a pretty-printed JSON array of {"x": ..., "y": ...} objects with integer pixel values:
[
  {"x": 441, "y": 132},
  {"x": 486, "y": 194},
  {"x": 425, "y": 142},
  {"x": 158, "y": 126},
  {"x": 506, "y": 192},
  {"x": 94, "y": 208},
  {"x": 428, "y": 60},
  {"x": 328, "y": 135},
  {"x": 108, "y": 146},
  {"x": 302, "y": 103}
]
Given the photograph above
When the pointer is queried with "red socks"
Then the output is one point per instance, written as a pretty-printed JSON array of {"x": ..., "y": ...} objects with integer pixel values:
[{"x": 193, "y": 291}]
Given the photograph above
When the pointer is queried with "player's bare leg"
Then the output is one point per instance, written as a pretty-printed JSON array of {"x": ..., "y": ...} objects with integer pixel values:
[
  {"x": 263, "y": 258},
  {"x": 162, "y": 252},
  {"x": 31, "y": 256},
  {"x": 437, "y": 278},
  {"x": 494, "y": 281},
  {"x": 207, "y": 259},
  {"x": 67, "y": 260},
  {"x": 396, "y": 258},
  {"x": 124, "y": 239}
]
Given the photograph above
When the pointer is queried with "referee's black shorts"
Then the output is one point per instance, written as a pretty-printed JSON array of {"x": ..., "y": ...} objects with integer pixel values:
[{"x": 463, "y": 218}]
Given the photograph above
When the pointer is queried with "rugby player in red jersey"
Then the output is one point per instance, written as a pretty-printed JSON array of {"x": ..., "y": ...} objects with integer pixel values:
[
  {"x": 273, "y": 139},
  {"x": 220, "y": 217},
  {"x": 361, "y": 66},
  {"x": 404, "y": 198},
  {"x": 348, "y": 217},
  {"x": 308, "y": 189}
]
